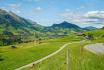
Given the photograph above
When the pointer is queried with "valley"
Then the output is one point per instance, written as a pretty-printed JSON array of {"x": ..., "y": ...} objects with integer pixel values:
[{"x": 25, "y": 42}]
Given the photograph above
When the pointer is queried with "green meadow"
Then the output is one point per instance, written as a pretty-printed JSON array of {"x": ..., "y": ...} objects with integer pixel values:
[
  {"x": 79, "y": 59},
  {"x": 51, "y": 35},
  {"x": 25, "y": 53}
]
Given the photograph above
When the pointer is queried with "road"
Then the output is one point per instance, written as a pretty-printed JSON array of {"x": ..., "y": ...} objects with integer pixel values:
[
  {"x": 97, "y": 48},
  {"x": 46, "y": 57}
]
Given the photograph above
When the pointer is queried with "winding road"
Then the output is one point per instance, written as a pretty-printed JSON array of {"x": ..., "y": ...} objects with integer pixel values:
[{"x": 46, "y": 57}]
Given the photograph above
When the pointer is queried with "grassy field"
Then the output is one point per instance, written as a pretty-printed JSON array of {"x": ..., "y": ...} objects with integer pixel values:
[
  {"x": 25, "y": 53},
  {"x": 57, "y": 62},
  {"x": 28, "y": 52},
  {"x": 85, "y": 60},
  {"x": 80, "y": 59}
]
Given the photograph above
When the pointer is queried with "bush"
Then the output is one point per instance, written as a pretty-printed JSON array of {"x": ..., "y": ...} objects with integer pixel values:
[{"x": 13, "y": 46}]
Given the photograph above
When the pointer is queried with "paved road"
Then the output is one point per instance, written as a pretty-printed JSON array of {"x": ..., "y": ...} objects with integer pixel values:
[
  {"x": 97, "y": 48},
  {"x": 46, "y": 57}
]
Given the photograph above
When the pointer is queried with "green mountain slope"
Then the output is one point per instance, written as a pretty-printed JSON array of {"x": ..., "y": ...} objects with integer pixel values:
[
  {"x": 14, "y": 28},
  {"x": 15, "y": 24},
  {"x": 63, "y": 27}
]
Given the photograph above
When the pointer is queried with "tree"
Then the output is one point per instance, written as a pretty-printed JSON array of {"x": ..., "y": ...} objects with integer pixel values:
[
  {"x": 7, "y": 33},
  {"x": 90, "y": 36}
]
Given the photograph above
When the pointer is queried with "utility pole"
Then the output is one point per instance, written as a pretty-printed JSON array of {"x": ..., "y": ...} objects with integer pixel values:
[{"x": 68, "y": 59}]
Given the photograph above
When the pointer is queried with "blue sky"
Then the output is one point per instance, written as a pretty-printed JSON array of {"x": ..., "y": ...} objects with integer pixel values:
[{"x": 47, "y": 12}]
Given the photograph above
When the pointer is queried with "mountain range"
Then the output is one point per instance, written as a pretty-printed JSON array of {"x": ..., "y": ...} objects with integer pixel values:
[
  {"x": 16, "y": 29},
  {"x": 15, "y": 24},
  {"x": 10, "y": 23}
]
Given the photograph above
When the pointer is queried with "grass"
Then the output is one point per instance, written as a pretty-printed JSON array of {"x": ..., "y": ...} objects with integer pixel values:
[
  {"x": 28, "y": 52},
  {"x": 57, "y": 62},
  {"x": 80, "y": 59},
  {"x": 85, "y": 60},
  {"x": 25, "y": 53},
  {"x": 96, "y": 33}
]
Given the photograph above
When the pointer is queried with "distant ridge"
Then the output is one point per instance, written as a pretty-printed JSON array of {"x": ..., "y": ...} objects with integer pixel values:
[
  {"x": 12, "y": 23},
  {"x": 64, "y": 26},
  {"x": 90, "y": 28}
]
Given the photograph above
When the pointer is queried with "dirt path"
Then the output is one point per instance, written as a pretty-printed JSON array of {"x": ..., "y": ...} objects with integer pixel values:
[{"x": 46, "y": 57}]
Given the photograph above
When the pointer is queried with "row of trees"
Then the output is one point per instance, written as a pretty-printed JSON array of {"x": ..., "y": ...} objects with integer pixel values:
[{"x": 8, "y": 38}]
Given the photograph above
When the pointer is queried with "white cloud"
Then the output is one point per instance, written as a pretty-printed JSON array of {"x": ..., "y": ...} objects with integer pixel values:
[
  {"x": 96, "y": 17},
  {"x": 14, "y": 7},
  {"x": 71, "y": 16},
  {"x": 95, "y": 14},
  {"x": 88, "y": 18},
  {"x": 4, "y": 8}
]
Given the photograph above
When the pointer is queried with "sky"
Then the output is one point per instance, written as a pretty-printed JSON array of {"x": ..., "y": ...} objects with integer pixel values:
[{"x": 47, "y": 12}]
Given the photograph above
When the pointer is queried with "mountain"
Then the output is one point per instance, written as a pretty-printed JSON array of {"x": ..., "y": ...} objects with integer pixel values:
[
  {"x": 90, "y": 28},
  {"x": 10, "y": 22},
  {"x": 16, "y": 29},
  {"x": 63, "y": 27}
]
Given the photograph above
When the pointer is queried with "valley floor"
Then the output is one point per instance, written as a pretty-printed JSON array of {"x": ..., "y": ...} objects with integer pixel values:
[
  {"x": 25, "y": 53},
  {"x": 80, "y": 59}
]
